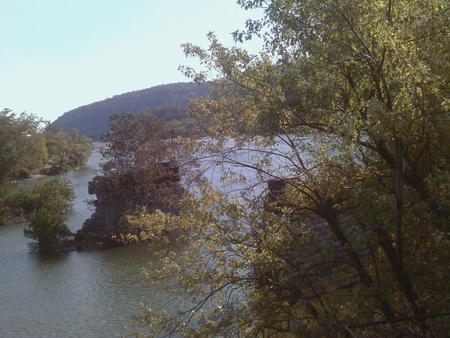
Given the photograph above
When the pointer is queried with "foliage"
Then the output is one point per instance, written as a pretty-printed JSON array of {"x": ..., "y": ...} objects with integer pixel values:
[
  {"x": 25, "y": 147},
  {"x": 140, "y": 165},
  {"x": 22, "y": 146},
  {"x": 141, "y": 225},
  {"x": 15, "y": 204},
  {"x": 48, "y": 229},
  {"x": 54, "y": 195},
  {"x": 49, "y": 201},
  {"x": 169, "y": 101},
  {"x": 66, "y": 151},
  {"x": 350, "y": 100}
]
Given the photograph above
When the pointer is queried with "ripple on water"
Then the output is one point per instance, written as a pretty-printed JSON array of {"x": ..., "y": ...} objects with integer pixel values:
[
  {"x": 76, "y": 294},
  {"x": 79, "y": 294}
]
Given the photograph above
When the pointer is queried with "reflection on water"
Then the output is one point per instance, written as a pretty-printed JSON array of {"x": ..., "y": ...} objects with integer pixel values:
[{"x": 75, "y": 294}]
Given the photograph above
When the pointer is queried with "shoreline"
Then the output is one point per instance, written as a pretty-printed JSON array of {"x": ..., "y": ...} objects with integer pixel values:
[{"x": 34, "y": 176}]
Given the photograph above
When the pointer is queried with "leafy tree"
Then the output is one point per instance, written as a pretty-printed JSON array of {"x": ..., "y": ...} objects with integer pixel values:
[
  {"x": 66, "y": 151},
  {"x": 22, "y": 147},
  {"x": 139, "y": 167},
  {"x": 80, "y": 149},
  {"x": 55, "y": 195},
  {"x": 351, "y": 101},
  {"x": 49, "y": 201},
  {"x": 15, "y": 204},
  {"x": 26, "y": 146},
  {"x": 48, "y": 229},
  {"x": 57, "y": 146}
]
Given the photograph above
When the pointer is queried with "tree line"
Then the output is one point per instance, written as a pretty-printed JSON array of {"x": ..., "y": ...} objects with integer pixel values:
[{"x": 29, "y": 145}]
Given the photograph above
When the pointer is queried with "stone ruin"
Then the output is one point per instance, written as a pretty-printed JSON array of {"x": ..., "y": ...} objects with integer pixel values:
[{"x": 101, "y": 226}]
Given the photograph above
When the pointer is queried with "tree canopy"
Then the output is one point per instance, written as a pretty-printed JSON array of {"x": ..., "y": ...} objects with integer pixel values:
[
  {"x": 348, "y": 108},
  {"x": 139, "y": 170},
  {"x": 29, "y": 144},
  {"x": 66, "y": 151},
  {"x": 135, "y": 147},
  {"x": 48, "y": 202},
  {"x": 22, "y": 146}
]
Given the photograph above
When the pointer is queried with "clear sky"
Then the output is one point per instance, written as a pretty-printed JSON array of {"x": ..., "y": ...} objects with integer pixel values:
[{"x": 57, "y": 55}]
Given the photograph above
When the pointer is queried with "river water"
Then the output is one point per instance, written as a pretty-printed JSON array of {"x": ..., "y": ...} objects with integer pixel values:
[
  {"x": 80, "y": 294},
  {"x": 75, "y": 294}
]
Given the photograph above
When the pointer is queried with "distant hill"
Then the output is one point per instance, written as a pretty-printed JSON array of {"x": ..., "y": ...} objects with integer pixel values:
[{"x": 169, "y": 101}]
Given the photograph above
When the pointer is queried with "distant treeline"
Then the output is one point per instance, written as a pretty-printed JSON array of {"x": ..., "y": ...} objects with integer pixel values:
[
  {"x": 29, "y": 146},
  {"x": 169, "y": 102}
]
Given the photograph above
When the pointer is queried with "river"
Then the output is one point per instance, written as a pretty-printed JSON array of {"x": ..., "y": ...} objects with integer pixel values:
[
  {"x": 75, "y": 294},
  {"x": 80, "y": 294}
]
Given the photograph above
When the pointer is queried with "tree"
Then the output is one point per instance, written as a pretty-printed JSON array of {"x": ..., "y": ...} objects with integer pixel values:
[
  {"x": 66, "y": 151},
  {"x": 350, "y": 101},
  {"x": 50, "y": 200},
  {"x": 22, "y": 147},
  {"x": 48, "y": 229},
  {"x": 140, "y": 167},
  {"x": 80, "y": 149}
]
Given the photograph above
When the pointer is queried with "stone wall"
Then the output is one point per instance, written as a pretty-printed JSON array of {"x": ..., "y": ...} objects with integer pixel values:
[{"x": 107, "y": 204}]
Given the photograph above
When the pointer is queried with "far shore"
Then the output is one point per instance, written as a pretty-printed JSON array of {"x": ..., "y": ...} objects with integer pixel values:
[{"x": 38, "y": 175}]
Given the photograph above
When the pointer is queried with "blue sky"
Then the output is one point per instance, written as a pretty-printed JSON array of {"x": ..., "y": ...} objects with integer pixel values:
[{"x": 58, "y": 55}]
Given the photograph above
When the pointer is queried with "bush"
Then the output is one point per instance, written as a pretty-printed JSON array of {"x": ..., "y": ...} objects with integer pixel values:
[
  {"x": 48, "y": 229},
  {"x": 49, "y": 201}
]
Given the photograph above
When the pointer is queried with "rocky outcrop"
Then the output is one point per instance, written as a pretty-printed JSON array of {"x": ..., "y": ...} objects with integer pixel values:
[
  {"x": 102, "y": 224},
  {"x": 103, "y": 219}
]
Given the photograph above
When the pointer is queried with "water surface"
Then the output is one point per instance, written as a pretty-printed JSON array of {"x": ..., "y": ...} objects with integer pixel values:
[{"x": 75, "y": 294}]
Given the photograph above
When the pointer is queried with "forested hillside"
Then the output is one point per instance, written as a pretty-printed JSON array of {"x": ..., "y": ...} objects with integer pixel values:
[{"x": 165, "y": 101}]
